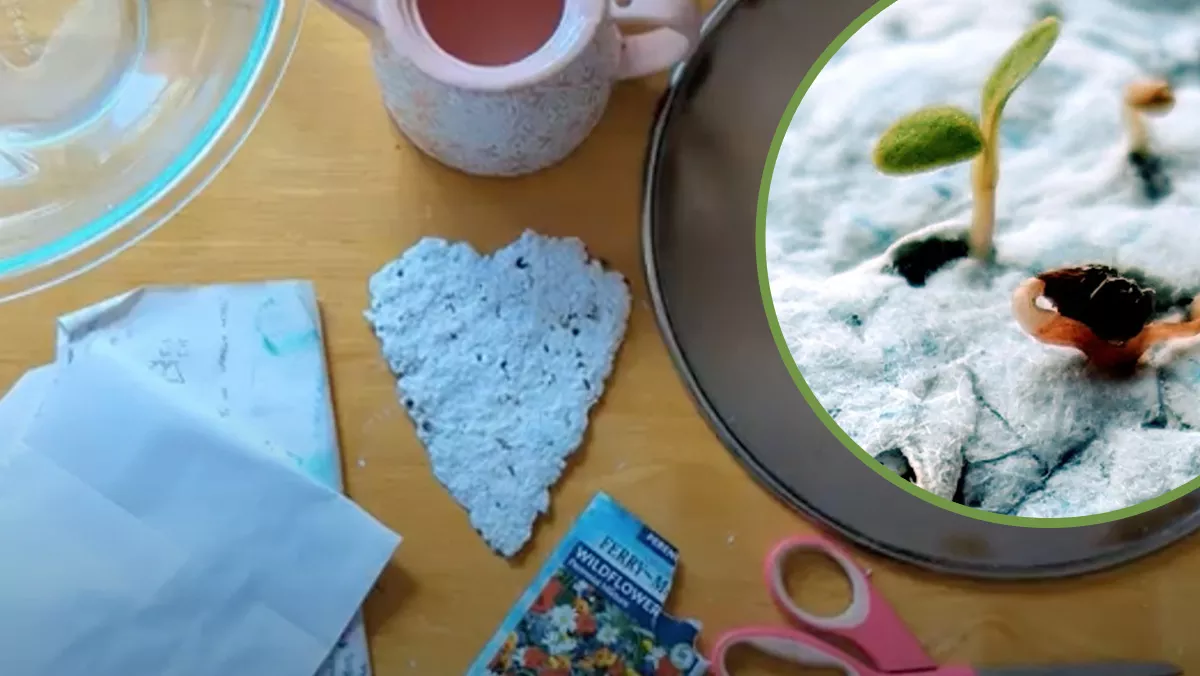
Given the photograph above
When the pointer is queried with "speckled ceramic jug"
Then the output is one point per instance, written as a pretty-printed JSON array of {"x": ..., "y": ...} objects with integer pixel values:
[{"x": 508, "y": 87}]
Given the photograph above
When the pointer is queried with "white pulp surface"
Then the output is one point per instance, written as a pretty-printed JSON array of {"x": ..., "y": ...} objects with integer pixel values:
[{"x": 939, "y": 382}]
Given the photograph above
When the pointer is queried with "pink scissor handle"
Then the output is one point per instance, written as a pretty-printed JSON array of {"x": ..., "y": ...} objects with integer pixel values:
[
  {"x": 786, "y": 644},
  {"x": 676, "y": 34},
  {"x": 869, "y": 622}
]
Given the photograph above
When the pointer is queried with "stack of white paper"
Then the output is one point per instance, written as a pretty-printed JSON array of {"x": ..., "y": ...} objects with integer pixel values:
[{"x": 151, "y": 513}]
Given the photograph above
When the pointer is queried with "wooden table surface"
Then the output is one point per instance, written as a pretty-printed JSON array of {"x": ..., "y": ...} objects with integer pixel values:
[{"x": 324, "y": 190}]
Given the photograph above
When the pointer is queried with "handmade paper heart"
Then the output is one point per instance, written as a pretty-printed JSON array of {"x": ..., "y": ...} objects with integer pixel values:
[{"x": 499, "y": 360}]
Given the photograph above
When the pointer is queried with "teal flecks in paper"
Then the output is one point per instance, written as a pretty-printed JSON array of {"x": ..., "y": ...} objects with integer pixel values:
[
  {"x": 251, "y": 353},
  {"x": 282, "y": 330}
]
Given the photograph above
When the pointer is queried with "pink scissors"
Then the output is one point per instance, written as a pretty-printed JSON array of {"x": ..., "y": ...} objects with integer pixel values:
[{"x": 871, "y": 626}]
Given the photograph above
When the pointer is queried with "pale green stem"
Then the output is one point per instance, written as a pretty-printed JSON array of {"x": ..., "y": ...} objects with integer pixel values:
[
  {"x": 984, "y": 173},
  {"x": 1139, "y": 137}
]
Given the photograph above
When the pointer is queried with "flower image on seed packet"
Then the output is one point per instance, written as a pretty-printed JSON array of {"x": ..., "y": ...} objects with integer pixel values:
[{"x": 596, "y": 607}]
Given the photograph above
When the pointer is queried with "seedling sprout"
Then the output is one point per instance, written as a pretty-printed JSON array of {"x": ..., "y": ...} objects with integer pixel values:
[
  {"x": 1145, "y": 97},
  {"x": 1142, "y": 98},
  {"x": 942, "y": 135}
]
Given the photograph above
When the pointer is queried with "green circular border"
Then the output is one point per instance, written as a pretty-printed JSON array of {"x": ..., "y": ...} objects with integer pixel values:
[{"x": 760, "y": 225}]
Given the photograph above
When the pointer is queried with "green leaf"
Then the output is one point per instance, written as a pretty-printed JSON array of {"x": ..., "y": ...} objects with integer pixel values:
[
  {"x": 1021, "y": 59},
  {"x": 926, "y": 139}
]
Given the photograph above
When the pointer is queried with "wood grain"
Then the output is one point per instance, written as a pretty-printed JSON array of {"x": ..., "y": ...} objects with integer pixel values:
[{"x": 324, "y": 190}]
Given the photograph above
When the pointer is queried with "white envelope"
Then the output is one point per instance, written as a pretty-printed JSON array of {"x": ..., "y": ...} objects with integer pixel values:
[
  {"x": 251, "y": 352},
  {"x": 142, "y": 536},
  {"x": 18, "y": 406}
]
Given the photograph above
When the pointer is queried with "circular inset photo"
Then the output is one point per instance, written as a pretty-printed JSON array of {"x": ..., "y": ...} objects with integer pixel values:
[{"x": 979, "y": 241}]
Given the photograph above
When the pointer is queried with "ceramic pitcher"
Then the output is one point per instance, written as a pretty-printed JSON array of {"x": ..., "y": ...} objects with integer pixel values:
[{"x": 508, "y": 87}]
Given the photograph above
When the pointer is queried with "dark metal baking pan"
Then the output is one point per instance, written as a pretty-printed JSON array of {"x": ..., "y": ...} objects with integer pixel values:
[{"x": 703, "y": 171}]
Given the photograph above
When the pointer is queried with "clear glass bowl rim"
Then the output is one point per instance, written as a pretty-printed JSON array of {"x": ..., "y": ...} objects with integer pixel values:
[{"x": 200, "y": 161}]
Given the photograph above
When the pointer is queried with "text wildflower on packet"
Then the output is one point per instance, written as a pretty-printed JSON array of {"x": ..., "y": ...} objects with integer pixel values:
[{"x": 596, "y": 607}]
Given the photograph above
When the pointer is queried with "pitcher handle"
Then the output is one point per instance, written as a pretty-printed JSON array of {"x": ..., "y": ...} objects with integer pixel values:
[{"x": 676, "y": 34}]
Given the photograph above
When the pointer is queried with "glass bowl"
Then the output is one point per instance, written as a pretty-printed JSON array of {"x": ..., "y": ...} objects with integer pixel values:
[{"x": 115, "y": 113}]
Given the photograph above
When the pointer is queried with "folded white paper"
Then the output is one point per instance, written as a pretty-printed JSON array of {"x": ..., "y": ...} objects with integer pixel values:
[
  {"x": 18, "y": 406},
  {"x": 252, "y": 353},
  {"x": 142, "y": 536}
]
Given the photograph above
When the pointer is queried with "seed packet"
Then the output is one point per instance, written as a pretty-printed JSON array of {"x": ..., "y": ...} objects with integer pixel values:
[{"x": 596, "y": 607}]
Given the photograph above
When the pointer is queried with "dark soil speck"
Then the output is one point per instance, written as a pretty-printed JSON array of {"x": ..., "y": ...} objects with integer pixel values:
[
  {"x": 1150, "y": 171},
  {"x": 917, "y": 261}
]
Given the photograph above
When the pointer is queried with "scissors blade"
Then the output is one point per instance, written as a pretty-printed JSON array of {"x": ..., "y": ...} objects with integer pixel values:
[{"x": 1086, "y": 669}]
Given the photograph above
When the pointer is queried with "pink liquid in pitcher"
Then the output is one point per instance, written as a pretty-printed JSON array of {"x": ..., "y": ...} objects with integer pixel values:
[{"x": 490, "y": 32}]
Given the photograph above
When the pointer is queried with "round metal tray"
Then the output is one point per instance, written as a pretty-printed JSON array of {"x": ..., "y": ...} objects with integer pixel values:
[{"x": 703, "y": 172}]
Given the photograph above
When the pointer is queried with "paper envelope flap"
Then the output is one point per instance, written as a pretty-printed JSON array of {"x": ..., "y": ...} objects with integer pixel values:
[
  {"x": 251, "y": 352},
  {"x": 72, "y": 561},
  {"x": 254, "y": 532}
]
